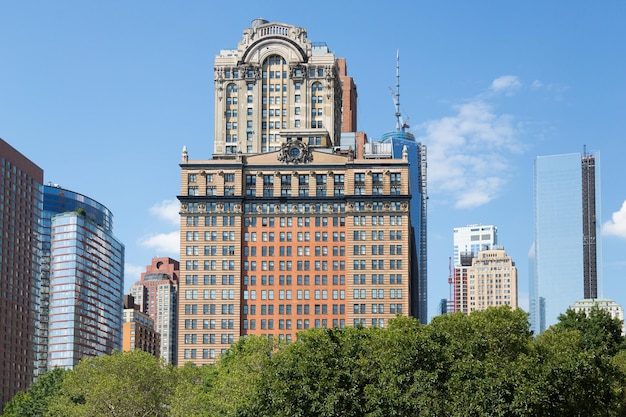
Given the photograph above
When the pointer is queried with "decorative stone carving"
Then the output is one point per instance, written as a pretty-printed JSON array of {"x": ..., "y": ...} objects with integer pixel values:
[{"x": 295, "y": 152}]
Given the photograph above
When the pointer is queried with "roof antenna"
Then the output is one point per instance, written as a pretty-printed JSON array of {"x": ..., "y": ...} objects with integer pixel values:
[{"x": 400, "y": 124}]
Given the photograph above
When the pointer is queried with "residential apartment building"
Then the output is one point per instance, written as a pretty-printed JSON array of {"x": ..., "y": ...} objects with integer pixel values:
[
  {"x": 138, "y": 332},
  {"x": 277, "y": 83},
  {"x": 20, "y": 213},
  {"x": 156, "y": 293},
  {"x": 84, "y": 287},
  {"x": 289, "y": 240},
  {"x": 564, "y": 259},
  {"x": 297, "y": 221}
]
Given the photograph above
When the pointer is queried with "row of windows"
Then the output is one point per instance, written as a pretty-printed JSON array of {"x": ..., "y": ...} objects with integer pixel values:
[
  {"x": 377, "y": 309},
  {"x": 208, "y": 294},
  {"x": 394, "y": 293},
  {"x": 376, "y": 279},
  {"x": 193, "y": 207},
  {"x": 375, "y": 220},
  {"x": 288, "y": 265},
  {"x": 301, "y": 309},
  {"x": 287, "y": 250},
  {"x": 288, "y": 236},
  {"x": 377, "y": 235},
  {"x": 377, "y": 250},
  {"x": 210, "y": 265},
  {"x": 286, "y": 324},
  {"x": 377, "y": 264},
  {"x": 359, "y": 178},
  {"x": 300, "y": 280},
  {"x": 210, "y": 279},
  {"x": 300, "y": 294},
  {"x": 288, "y": 221},
  {"x": 209, "y": 308}
]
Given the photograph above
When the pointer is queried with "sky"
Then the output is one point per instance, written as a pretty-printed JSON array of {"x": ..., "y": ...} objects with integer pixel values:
[{"x": 104, "y": 95}]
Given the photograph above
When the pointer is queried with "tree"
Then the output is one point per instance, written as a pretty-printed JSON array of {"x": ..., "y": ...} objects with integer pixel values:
[
  {"x": 488, "y": 352},
  {"x": 192, "y": 390},
  {"x": 131, "y": 383},
  {"x": 324, "y": 373},
  {"x": 34, "y": 402},
  {"x": 598, "y": 329},
  {"x": 239, "y": 384}
]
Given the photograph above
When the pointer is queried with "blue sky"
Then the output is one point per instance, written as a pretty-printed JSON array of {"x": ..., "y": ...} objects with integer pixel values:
[{"x": 103, "y": 96}]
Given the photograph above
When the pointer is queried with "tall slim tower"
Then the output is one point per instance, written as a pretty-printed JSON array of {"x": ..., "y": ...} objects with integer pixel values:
[
  {"x": 394, "y": 144},
  {"x": 20, "y": 213},
  {"x": 564, "y": 265},
  {"x": 86, "y": 281},
  {"x": 590, "y": 227}
]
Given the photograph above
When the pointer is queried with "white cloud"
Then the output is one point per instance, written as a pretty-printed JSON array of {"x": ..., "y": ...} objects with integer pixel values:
[
  {"x": 167, "y": 210},
  {"x": 617, "y": 225},
  {"x": 469, "y": 152},
  {"x": 506, "y": 84},
  {"x": 166, "y": 244},
  {"x": 132, "y": 274}
]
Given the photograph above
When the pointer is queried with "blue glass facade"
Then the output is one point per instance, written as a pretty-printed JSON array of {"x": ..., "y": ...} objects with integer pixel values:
[
  {"x": 85, "y": 281},
  {"x": 556, "y": 259},
  {"x": 401, "y": 139}
]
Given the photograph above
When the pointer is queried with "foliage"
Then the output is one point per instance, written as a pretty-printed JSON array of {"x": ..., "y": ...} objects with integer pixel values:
[
  {"x": 598, "y": 329},
  {"x": 34, "y": 402},
  {"x": 483, "y": 364},
  {"x": 122, "y": 384}
]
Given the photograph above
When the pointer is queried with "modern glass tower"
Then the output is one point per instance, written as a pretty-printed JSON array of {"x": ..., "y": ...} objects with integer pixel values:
[
  {"x": 397, "y": 142},
  {"x": 563, "y": 259},
  {"x": 472, "y": 239},
  {"x": 83, "y": 290}
]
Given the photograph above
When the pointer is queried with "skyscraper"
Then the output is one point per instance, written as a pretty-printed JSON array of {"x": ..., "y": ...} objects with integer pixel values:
[
  {"x": 20, "y": 212},
  {"x": 396, "y": 142},
  {"x": 564, "y": 255},
  {"x": 277, "y": 83},
  {"x": 157, "y": 294},
  {"x": 290, "y": 226},
  {"x": 485, "y": 279},
  {"x": 472, "y": 239},
  {"x": 84, "y": 287}
]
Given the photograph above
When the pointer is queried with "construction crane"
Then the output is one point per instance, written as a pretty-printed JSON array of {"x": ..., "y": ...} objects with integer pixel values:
[
  {"x": 452, "y": 283},
  {"x": 395, "y": 96}
]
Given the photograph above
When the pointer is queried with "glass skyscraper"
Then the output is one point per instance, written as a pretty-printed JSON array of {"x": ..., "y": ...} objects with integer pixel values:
[
  {"x": 566, "y": 223},
  {"x": 83, "y": 286}
]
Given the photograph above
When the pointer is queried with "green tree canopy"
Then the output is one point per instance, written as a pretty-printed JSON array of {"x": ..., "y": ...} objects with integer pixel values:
[
  {"x": 486, "y": 363},
  {"x": 598, "y": 329},
  {"x": 34, "y": 402},
  {"x": 122, "y": 384}
]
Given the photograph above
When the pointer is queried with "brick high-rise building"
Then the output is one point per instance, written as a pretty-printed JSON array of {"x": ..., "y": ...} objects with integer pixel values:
[
  {"x": 295, "y": 223},
  {"x": 289, "y": 240},
  {"x": 138, "y": 332},
  {"x": 20, "y": 213},
  {"x": 156, "y": 293}
]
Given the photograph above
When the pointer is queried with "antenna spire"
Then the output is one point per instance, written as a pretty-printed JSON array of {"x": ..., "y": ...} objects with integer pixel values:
[{"x": 398, "y": 114}]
